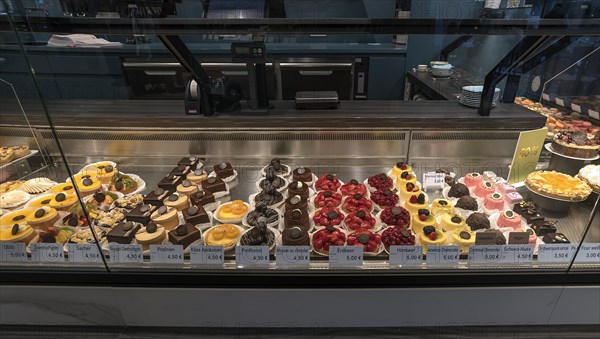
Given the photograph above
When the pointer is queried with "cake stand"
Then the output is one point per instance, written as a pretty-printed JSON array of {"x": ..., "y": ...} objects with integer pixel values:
[{"x": 566, "y": 164}]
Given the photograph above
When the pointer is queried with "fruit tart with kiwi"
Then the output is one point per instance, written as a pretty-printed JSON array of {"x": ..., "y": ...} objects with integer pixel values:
[
  {"x": 370, "y": 242},
  {"x": 327, "y": 182},
  {"x": 328, "y": 216},
  {"x": 353, "y": 187},
  {"x": 55, "y": 235},
  {"x": 327, "y": 199},
  {"x": 357, "y": 202},
  {"x": 123, "y": 183}
]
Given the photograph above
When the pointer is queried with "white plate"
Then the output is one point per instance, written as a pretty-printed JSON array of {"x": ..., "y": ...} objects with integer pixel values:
[
  {"x": 273, "y": 224},
  {"x": 274, "y": 206},
  {"x": 226, "y": 180},
  {"x": 275, "y": 233},
  {"x": 25, "y": 197},
  {"x": 225, "y": 249},
  {"x": 141, "y": 184},
  {"x": 280, "y": 189},
  {"x": 230, "y": 221}
]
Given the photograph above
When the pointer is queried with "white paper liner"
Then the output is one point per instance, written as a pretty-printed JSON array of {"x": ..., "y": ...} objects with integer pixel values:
[
  {"x": 377, "y": 208},
  {"x": 314, "y": 226},
  {"x": 275, "y": 233},
  {"x": 230, "y": 221},
  {"x": 376, "y": 228},
  {"x": 141, "y": 184},
  {"x": 326, "y": 254},
  {"x": 83, "y": 229},
  {"x": 263, "y": 171},
  {"x": 212, "y": 206},
  {"x": 280, "y": 189},
  {"x": 274, "y": 224},
  {"x": 228, "y": 247},
  {"x": 277, "y": 205},
  {"x": 311, "y": 203},
  {"x": 203, "y": 226},
  {"x": 314, "y": 187},
  {"x": 226, "y": 180}
]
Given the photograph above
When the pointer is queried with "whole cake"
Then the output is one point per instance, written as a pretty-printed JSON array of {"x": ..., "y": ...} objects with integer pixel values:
[
  {"x": 591, "y": 175},
  {"x": 575, "y": 143},
  {"x": 558, "y": 185}
]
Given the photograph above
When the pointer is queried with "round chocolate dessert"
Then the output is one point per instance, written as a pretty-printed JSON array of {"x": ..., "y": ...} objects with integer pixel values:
[
  {"x": 478, "y": 221},
  {"x": 467, "y": 203},
  {"x": 262, "y": 211},
  {"x": 259, "y": 235},
  {"x": 296, "y": 202},
  {"x": 303, "y": 174},
  {"x": 575, "y": 143},
  {"x": 458, "y": 190},
  {"x": 273, "y": 180},
  {"x": 296, "y": 218},
  {"x": 295, "y": 236},
  {"x": 269, "y": 196},
  {"x": 298, "y": 188}
]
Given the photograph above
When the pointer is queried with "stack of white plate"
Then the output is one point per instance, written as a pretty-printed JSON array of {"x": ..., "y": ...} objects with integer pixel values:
[{"x": 471, "y": 96}]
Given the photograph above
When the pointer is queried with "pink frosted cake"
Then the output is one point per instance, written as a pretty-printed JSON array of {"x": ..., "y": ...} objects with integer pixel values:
[
  {"x": 472, "y": 179},
  {"x": 505, "y": 188},
  {"x": 513, "y": 198},
  {"x": 494, "y": 201},
  {"x": 484, "y": 188},
  {"x": 508, "y": 218}
]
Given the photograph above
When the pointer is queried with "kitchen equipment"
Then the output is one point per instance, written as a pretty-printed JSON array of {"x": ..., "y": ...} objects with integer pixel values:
[{"x": 317, "y": 100}]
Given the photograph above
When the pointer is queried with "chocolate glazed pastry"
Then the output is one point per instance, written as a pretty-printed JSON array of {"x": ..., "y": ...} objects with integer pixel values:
[
  {"x": 298, "y": 188},
  {"x": 458, "y": 190},
  {"x": 478, "y": 221},
  {"x": 259, "y": 235},
  {"x": 269, "y": 196},
  {"x": 303, "y": 174},
  {"x": 467, "y": 203},
  {"x": 273, "y": 180},
  {"x": 277, "y": 167},
  {"x": 262, "y": 211}
]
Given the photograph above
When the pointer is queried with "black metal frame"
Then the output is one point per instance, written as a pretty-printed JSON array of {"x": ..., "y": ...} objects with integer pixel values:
[{"x": 453, "y": 45}]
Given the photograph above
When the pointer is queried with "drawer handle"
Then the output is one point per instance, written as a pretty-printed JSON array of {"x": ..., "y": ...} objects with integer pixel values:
[
  {"x": 160, "y": 73},
  {"x": 316, "y": 72}
]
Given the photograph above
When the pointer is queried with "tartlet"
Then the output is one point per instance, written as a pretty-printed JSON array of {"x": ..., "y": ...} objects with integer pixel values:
[
  {"x": 225, "y": 235},
  {"x": 558, "y": 185}
]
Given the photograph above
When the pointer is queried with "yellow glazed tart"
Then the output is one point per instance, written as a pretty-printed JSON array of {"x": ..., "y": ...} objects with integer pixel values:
[
  {"x": 409, "y": 189},
  {"x": 87, "y": 185},
  {"x": 150, "y": 235},
  {"x": 452, "y": 222},
  {"x": 16, "y": 217},
  {"x": 422, "y": 219},
  {"x": 20, "y": 233},
  {"x": 404, "y": 177},
  {"x": 416, "y": 202},
  {"x": 464, "y": 238},
  {"x": 442, "y": 206},
  {"x": 177, "y": 201},
  {"x": 427, "y": 240},
  {"x": 166, "y": 217},
  {"x": 106, "y": 173},
  {"x": 233, "y": 210},
  {"x": 225, "y": 235},
  {"x": 43, "y": 218},
  {"x": 558, "y": 185},
  {"x": 40, "y": 201},
  {"x": 63, "y": 201},
  {"x": 66, "y": 187},
  {"x": 399, "y": 168}
]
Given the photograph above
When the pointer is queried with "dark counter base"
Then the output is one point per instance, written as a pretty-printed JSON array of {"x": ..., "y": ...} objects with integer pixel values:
[{"x": 351, "y": 114}]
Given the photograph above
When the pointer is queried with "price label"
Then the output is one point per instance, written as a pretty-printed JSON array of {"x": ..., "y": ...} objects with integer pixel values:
[
  {"x": 207, "y": 255},
  {"x": 588, "y": 253},
  {"x": 442, "y": 255},
  {"x": 556, "y": 253},
  {"x": 13, "y": 252},
  {"x": 432, "y": 180},
  {"x": 345, "y": 256},
  {"x": 559, "y": 102},
  {"x": 406, "y": 255},
  {"x": 594, "y": 114},
  {"x": 545, "y": 97},
  {"x": 126, "y": 254},
  {"x": 86, "y": 253},
  {"x": 166, "y": 254},
  {"x": 41, "y": 252},
  {"x": 576, "y": 108},
  {"x": 517, "y": 254},
  {"x": 485, "y": 254},
  {"x": 292, "y": 256},
  {"x": 252, "y": 256}
]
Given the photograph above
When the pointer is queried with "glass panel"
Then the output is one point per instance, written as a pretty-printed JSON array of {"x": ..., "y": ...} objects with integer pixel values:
[{"x": 41, "y": 227}]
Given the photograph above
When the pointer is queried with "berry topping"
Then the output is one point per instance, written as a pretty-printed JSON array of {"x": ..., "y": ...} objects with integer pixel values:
[
  {"x": 422, "y": 217},
  {"x": 397, "y": 236},
  {"x": 428, "y": 230},
  {"x": 404, "y": 175},
  {"x": 401, "y": 165},
  {"x": 413, "y": 199},
  {"x": 432, "y": 236},
  {"x": 424, "y": 211},
  {"x": 421, "y": 198},
  {"x": 410, "y": 186}
]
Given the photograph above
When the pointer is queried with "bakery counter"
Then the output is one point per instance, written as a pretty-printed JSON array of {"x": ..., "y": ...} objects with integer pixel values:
[{"x": 155, "y": 114}]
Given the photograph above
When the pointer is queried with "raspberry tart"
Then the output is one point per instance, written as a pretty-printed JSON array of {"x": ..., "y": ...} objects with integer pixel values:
[
  {"x": 353, "y": 187},
  {"x": 326, "y": 237},
  {"x": 380, "y": 182},
  {"x": 395, "y": 216},
  {"x": 422, "y": 219},
  {"x": 360, "y": 219},
  {"x": 385, "y": 198},
  {"x": 357, "y": 202},
  {"x": 328, "y": 216},
  {"x": 327, "y": 199},
  {"x": 431, "y": 236},
  {"x": 397, "y": 236},
  {"x": 370, "y": 242},
  {"x": 327, "y": 182}
]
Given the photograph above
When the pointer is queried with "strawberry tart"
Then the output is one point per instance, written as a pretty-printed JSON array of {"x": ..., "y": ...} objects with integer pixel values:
[
  {"x": 357, "y": 202},
  {"x": 328, "y": 216},
  {"x": 329, "y": 236},
  {"x": 370, "y": 242},
  {"x": 327, "y": 182},
  {"x": 353, "y": 187},
  {"x": 327, "y": 199},
  {"x": 359, "y": 219}
]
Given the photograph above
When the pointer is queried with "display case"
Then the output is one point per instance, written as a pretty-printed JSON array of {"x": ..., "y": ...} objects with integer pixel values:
[{"x": 256, "y": 197}]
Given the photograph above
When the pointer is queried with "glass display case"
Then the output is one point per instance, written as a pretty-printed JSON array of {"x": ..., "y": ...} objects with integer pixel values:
[{"x": 193, "y": 165}]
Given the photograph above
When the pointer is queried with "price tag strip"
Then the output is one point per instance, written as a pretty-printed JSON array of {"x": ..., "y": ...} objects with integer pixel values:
[
  {"x": 406, "y": 255},
  {"x": 345, "y": 256},
  {"x": 485, "y": 254},
  {"x": 589, "y": 254},
  {"x": 207, "y": 255},
  {"x": 41, "y": 252},
  {"x": 13, "y": 252},
  {"x": 252, "y": 256},
  {"x": 556, "y": 253},
  {"x": 442, "y": 255},
  {"x": 517, "y": 254},
  {"x": 84, "y": 253},
  {"x": 126, "y": 254},
  {"x": 166, "y": 254},
  {"x": 292, "y": 256}
]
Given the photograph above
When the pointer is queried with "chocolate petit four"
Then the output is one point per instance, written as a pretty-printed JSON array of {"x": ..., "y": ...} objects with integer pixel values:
[
  {"x": 296, "y": 218},
  {"x": 458, "y": 190},
  {"x": 262, "y": 211},
  {"x": 296, "y": 202},
  {"x": 190, "y": 161},
  {"x": 295, "y": 236},
  {"x": 202, "y": 198},
  {"x": 259, "y": 235},
  {"x": 478, "y": 221},
  {"x": 518, "y": 238},
  {"x": 141, "y": 213},
  {"x": 269, "y": 196},
  {"x": 555, "y": 238},
  {"x": 123, "y": 233},
  {"x": 214, "y": 185},
  {"x": 196, "y": 215},
  {"x": 467, "y": 203},
  {"x": 546, "y": 227},
  {"x": 223, "y": 170},
  {"x": 303, "y": 174},
  {"x": 180, "y": 170},
  {"x": 298, "y": 188},
  {"x": 170, "y": 182},
  {"x": 177, "y": 201},
  {"x": 273, "y": 180},
  {"x": 528, "y": 211},
  {"x": 277, "y": 167},
  {"x": 490, "y": 237},
  {"x": 184, "y": 235}
]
